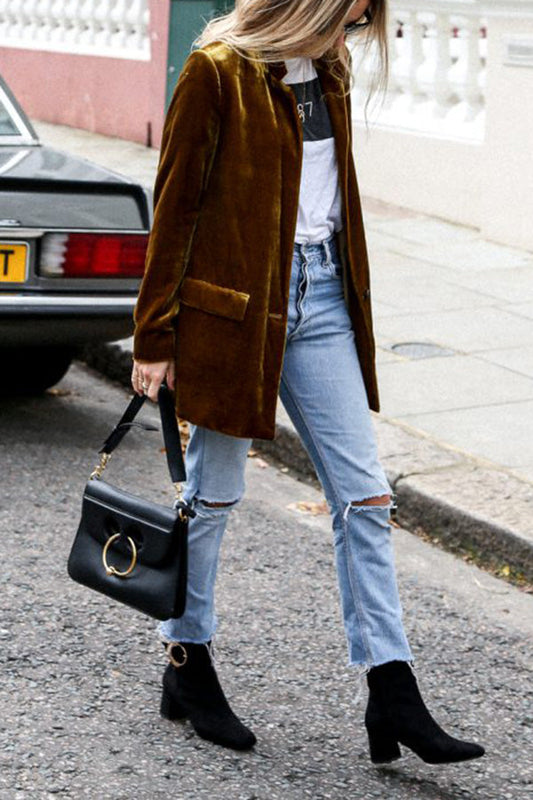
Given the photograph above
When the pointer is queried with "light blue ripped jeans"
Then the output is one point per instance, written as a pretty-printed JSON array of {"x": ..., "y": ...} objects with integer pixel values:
[{"x": 322, "y": 390}]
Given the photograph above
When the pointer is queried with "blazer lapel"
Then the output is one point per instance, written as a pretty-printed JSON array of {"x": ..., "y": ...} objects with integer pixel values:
[{"x": 338, "y": 112}]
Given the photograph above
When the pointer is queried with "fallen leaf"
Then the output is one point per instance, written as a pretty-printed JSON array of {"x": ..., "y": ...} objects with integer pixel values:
[
  {"x": 252, "y": 453},
  {"x": 59, "y": 392},
  {"x": 308, "y": 507}
]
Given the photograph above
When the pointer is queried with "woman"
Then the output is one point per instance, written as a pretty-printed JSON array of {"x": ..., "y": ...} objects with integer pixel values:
[{"x": 256, "y": 284}]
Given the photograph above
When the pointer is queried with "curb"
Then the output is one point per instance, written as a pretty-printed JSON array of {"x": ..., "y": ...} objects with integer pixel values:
[
  {"x": 443, "y": 494},
  {"x": 422, "y": 511}
]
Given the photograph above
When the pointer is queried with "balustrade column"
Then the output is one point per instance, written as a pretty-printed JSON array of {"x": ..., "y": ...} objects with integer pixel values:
[
  {"x": 119, "y": 23},
  {"x": 58, "y": 12},
  {"x": 89, "y": 33},
  {"x": 44, "y": 19},
  {"x": 10, "y": 10},
  {"x": 72, "y": 23},
  {"x": 32, "y": 25},
  {"x": 137, "y": 16},
  {"x": 102, "y": 14},
  {"x": 406, "y": 66},
  {"x": 465, "y": 74},
  {"x": 432, "y": 75}
]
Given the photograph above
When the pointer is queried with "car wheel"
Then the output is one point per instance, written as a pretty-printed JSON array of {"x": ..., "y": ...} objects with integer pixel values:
[{"x": 31, "y": 370}]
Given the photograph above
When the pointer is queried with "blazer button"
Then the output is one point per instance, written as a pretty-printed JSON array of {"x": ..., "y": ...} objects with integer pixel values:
[{"x": 366, "y": 294}]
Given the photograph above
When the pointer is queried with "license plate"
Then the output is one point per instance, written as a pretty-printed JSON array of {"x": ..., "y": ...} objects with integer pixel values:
[{"x": 13, "y": 261}]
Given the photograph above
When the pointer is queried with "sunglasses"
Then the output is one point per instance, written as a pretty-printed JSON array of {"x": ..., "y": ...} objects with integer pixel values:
[{"x": 358, "y": 24}]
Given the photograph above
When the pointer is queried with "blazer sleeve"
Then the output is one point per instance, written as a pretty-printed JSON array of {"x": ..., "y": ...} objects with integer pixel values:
[{"x": 188, "y": 146}]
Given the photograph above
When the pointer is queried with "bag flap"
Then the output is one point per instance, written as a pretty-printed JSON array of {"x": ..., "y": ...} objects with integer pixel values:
[{"x": 107, "y": 510}]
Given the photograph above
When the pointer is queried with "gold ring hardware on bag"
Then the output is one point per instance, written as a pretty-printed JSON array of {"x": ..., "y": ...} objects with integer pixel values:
[
  {"x": 110, "y": 570},
  {"x": 173, "y": 661}
]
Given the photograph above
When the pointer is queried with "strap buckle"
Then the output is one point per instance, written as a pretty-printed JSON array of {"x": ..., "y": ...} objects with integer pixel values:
[{"x": 169, "y": 646}]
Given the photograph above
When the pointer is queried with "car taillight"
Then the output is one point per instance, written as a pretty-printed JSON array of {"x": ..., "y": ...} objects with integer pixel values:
[{"x": 93, "y": 255}]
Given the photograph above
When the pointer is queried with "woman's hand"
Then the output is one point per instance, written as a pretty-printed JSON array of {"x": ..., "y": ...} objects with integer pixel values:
[{"x": 152, "y": 374}]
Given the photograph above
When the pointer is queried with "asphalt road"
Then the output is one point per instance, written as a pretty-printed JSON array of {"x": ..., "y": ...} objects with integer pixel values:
[{"x": 79, "y": 693}]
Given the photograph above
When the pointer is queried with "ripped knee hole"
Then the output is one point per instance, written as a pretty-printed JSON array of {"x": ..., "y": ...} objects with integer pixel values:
[
  {"x": 382, "y": 500},
  {"x": 210, "y": 504},
  {"x": 379, "y": 500}
]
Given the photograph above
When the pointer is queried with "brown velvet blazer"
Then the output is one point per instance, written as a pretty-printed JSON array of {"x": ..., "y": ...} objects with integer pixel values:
[{"x": 215, "y": 291}]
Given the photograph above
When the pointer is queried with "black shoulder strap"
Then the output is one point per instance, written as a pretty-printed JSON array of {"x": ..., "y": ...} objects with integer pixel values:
[{"x": 169, "y": 423}]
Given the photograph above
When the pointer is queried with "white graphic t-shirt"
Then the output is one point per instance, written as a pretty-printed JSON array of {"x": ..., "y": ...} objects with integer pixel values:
[{"x": 319, "y": 207}]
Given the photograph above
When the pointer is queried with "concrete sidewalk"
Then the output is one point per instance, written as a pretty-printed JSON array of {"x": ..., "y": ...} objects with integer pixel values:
[{"x": 454, "y": 327}]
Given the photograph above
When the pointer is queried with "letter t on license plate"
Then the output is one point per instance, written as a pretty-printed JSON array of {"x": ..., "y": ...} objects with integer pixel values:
[{"x": 13, "y": 261}]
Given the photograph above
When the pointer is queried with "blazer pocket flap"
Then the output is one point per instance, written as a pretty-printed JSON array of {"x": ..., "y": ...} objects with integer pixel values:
[{"x": 213, "y": 299}]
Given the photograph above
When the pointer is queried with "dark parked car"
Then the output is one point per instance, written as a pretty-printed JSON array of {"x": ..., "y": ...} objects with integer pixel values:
[{"x": 73, "y": 239}]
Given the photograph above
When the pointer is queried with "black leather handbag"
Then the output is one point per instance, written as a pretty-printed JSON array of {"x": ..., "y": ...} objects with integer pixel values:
[{"x": 130, "y": 548}]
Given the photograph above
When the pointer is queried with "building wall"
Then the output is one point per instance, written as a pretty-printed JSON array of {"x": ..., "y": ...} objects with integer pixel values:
[
  {"x": 506, "y": 199},
  {"x": 425, "y": 174},
  {"x": 123, "y": 97}
]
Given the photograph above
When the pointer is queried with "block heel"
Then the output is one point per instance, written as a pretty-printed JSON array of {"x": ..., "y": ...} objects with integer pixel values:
[
  {"x": 384, "y": 748},
  {"x": 396, "y": 713},
  {"x": 170, "y": 708}
]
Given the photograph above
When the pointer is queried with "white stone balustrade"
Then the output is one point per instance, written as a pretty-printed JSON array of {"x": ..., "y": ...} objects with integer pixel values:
[
  {"x": 438, "y": 51},
  {"x": 115, "y": 28}
]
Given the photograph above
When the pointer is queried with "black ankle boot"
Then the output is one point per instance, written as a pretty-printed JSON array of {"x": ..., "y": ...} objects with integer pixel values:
[
  {"x": 191, "y": 690},
  {"x": 396, "y": 714}
]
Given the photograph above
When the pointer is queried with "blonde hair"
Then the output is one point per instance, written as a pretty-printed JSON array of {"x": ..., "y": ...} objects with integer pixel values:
[{"x": 273, "y": 30}]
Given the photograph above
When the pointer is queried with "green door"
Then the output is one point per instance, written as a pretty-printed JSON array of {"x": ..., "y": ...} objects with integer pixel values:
[{"x": 187, "y": 20}]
